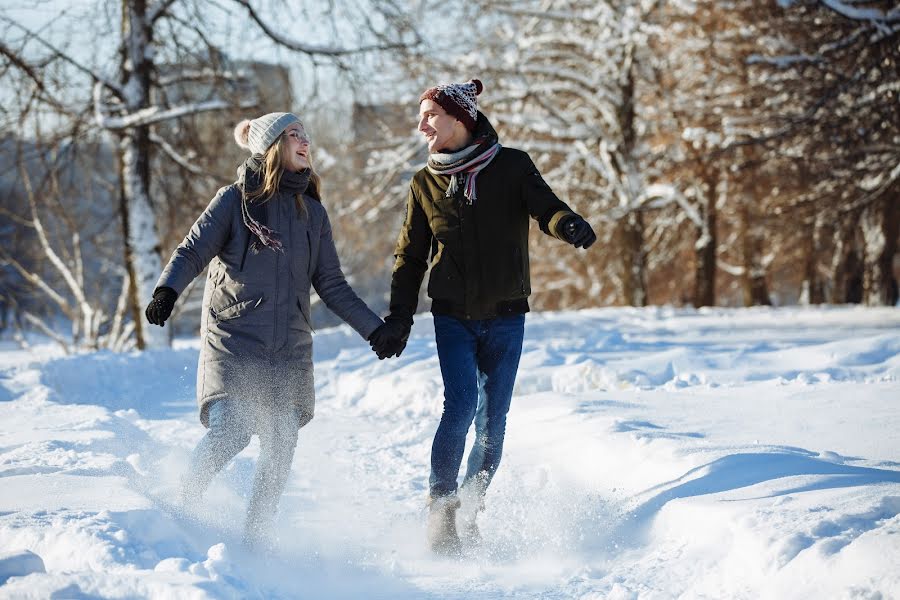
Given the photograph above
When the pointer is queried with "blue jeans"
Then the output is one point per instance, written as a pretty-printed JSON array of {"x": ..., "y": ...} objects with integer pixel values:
[
  {"x": 479, "y": 360},
  {"x": 231, "y": 425}
]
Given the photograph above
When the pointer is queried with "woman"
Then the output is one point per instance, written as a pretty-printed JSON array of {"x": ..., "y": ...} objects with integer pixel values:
[{"x": 266, "y": 239}]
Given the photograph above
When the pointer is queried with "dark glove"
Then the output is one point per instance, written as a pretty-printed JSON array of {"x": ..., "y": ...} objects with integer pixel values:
[
  {"x": 391, "y": 337},
  {"x": 161, "y": 306},
  {"x": 577, "y": 231}
]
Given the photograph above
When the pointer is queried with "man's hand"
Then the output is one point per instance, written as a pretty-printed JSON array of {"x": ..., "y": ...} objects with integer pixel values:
[
  {"x": 577, "y": 231},
  {"x": 160, "y": 308},
  {"x": 390, "y": 338}
]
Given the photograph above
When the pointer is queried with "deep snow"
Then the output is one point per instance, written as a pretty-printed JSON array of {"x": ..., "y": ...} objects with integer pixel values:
[{"x": 651, "y": 453}]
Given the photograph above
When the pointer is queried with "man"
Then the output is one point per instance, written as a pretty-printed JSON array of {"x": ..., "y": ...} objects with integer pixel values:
[{"x": 467, "y": 213}]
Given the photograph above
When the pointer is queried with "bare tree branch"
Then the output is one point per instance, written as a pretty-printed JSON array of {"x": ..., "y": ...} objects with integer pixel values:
[
  {"x": 157, "y": 114},
  {"x": 862, "y": 14},
  {"x": 94, "y": 75},
  {"x": 311, "y": 49}
]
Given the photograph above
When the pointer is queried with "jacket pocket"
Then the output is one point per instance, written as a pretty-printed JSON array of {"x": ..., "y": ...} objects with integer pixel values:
[
  {"x": 305, "y": 320},
  {"x": 446, "y": 280},
  {"x": 235, "y": 309},
  {"x": 519, "y": 270}
]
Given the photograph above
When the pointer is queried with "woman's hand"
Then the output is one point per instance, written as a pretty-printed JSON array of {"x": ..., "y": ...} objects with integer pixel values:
[{"x": 160, "y": 308}]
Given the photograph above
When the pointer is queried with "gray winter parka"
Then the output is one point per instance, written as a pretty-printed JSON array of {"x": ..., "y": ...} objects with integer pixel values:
[{"x": 256, "y": 337}]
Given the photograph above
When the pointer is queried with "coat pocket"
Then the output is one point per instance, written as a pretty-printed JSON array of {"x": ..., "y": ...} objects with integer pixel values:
[
  {"x": 304, "y": 320},
  {"x": 518, "y": 271},
  {"x": 235, "y": 309}
]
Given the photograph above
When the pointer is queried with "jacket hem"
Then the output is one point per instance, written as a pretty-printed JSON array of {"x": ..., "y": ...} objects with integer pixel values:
[{"x": 505, "y": 308}]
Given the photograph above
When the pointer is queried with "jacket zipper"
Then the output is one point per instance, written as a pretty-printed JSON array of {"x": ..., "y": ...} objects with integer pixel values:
[
  {"x": 458, "y": 199},
  {"x": 275, "y": 311},
  {"x": 308, "y": 253},
  {"x": 308, "y": 274}
]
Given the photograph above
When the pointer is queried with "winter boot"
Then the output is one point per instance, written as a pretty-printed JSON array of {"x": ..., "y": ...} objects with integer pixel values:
[
  {"x": 471, "y": 496},
  {"x": 442, "y": 536},
  {"x": 258, "y": 536},
  {"x": 189, "y": 497}
]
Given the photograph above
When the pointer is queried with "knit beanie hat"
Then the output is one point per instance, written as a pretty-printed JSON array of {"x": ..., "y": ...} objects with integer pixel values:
[
  {"x": 458, "y": 99},
  {"x": 258, "y": 134}
]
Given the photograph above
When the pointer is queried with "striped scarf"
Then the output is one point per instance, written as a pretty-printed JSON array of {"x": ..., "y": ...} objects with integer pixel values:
[{"x": 467, "y": 162}]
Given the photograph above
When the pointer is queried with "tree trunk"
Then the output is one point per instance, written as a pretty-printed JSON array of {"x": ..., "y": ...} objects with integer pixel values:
[
  {"x": 879, "y": 224},
  {"x": 142, "y": 246},
  {"x": 141, "y": 239},
  {"x": 753, "y": 279},
  {"x": 705, "y": 250},
  {"x": 813, "y": 289},
  {"x": 844, "y": 262},
  {"x": 634, "y": 259}
]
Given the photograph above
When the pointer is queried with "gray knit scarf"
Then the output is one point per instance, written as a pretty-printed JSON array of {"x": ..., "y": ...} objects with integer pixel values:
[
  {"x": 468, "y": 162},
  {"x": 253, "y": 210}
]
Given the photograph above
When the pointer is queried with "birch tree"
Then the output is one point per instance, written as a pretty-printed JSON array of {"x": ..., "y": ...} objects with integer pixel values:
[{"x": 124, "y": 77}]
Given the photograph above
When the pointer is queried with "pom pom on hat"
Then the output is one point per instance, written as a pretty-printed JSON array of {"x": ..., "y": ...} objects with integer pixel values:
[
  {"x": 260, "y": 133},
  {"x": 242, "y": 134},
  {"x": 458, "y": 99}
]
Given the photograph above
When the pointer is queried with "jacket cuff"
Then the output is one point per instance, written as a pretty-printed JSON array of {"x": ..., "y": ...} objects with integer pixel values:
[
  {"x": 367, "y": 328},
  {"x": 553, "y": 226}
]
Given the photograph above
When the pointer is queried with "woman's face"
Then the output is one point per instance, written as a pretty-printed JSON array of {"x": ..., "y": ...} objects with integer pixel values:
[{"x": 296, "y": 156}]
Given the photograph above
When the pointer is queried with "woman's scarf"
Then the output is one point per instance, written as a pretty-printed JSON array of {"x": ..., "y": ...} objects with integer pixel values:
[
  {"x": 253, "y": 210},
  {"x": 469, "y": 162}
]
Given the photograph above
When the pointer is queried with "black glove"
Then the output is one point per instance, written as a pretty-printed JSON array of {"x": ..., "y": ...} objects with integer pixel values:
[
  {"x": 161, "y": 306},
  {"x": 391, "y": 337},
  {"x": 577, "y": 231}
]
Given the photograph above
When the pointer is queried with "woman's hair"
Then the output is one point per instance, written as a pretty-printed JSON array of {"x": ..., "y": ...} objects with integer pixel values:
[{"x": 272, "y": 170}]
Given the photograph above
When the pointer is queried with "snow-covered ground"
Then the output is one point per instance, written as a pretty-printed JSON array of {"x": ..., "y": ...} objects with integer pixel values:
[{"x": 651, "y": 453}]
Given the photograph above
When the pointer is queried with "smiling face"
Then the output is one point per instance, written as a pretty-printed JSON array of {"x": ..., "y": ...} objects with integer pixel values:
[
  {"x": 296, "y": 148},
  {"x": 443, "y": 132}
]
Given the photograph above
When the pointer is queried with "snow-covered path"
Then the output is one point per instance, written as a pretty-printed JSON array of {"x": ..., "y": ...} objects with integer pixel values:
[{"x": 651, "y": 453}]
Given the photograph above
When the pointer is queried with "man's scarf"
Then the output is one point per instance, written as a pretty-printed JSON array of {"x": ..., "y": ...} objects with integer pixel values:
[
  {"x": 253, "y": 210},
  {"x": 469, "y": 162}
]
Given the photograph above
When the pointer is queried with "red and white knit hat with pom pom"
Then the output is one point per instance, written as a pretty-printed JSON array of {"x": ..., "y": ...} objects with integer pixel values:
[
  {"x": 458, "y": 99},
  {"x": 258, "y": 134}
]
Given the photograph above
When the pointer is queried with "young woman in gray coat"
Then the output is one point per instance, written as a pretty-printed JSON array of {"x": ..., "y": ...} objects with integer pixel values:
[{"x": 266, "y": 239}]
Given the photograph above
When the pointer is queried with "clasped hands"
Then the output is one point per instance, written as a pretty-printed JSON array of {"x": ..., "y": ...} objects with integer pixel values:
[{"x": 390, "y": 338}]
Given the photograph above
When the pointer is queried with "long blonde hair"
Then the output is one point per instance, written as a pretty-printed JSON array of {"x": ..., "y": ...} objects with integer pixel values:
[{"x": 273, "y": 169}]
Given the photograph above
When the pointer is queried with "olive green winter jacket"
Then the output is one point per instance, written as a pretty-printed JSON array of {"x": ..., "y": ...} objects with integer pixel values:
[{"x": 478, "y": 252}]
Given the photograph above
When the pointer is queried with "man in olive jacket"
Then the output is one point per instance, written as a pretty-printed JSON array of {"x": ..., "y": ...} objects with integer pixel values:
[{"x": 467, "y": 214}]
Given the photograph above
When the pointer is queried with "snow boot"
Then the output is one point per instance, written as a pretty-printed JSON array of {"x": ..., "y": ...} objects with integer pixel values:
[
  {"x": 471, "y": 496},
  {"x": 189, "y": 497},
  {"x": 258, "y": 537},
  {"x": 442, "y": 536}
]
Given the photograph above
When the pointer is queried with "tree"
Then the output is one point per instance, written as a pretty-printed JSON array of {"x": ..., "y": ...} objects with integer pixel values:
[
  {"x": 127, "y": 99},
  {"x": 571, "y": 93},
  {"x": 563, "y": 76},
  {"x": 831, "y": 68}
]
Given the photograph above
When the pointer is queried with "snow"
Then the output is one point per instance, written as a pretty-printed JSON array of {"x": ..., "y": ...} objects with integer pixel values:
[
  {"x": 651, "y": 453},
  {"x": 18, "y": 564}
]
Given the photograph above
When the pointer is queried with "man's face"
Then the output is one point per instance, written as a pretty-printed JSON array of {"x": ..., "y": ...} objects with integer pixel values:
[{"x": 443, "y": 132}]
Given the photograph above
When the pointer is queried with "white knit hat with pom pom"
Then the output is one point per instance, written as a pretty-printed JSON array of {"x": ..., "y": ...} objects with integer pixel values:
[{"x": 258, "y": 134}]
